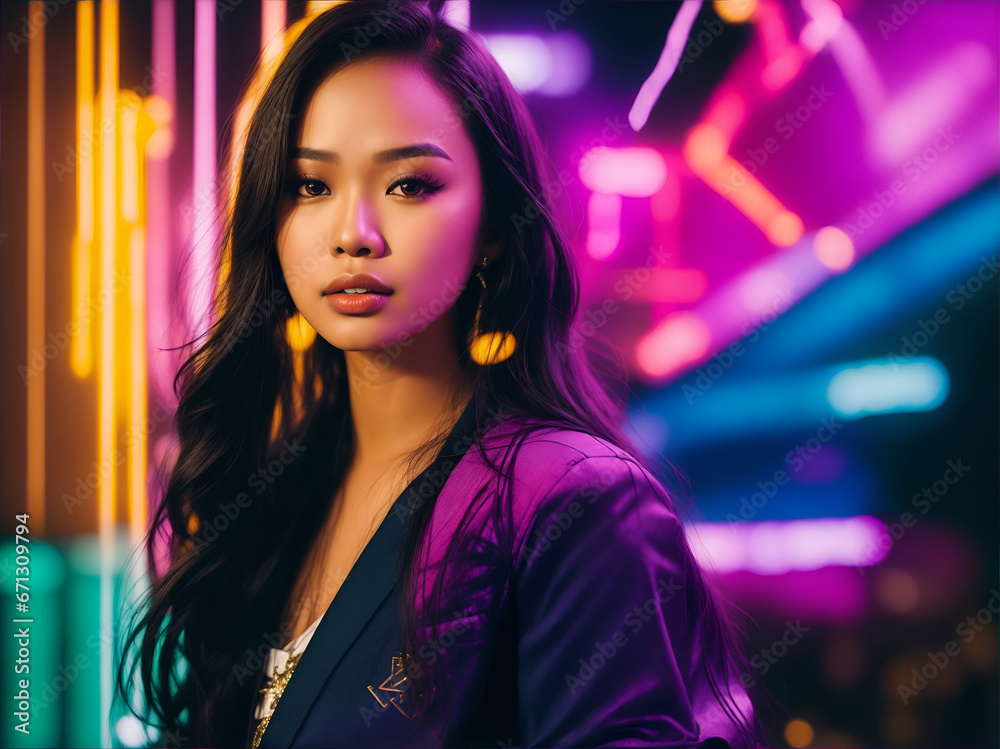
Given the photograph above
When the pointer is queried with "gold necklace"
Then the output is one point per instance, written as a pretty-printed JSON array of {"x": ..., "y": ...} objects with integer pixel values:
[{"x": 274, "y": 692}]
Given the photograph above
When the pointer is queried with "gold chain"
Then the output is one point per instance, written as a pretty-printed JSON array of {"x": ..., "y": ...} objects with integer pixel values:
[{"x": 274, "y": 692}]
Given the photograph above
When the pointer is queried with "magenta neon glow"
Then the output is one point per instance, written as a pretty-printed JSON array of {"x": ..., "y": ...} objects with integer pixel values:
[
  {"x": 777, "y": 547},
  {"x": 604, "y": 217},
  {"x": 630, "y": 172},
  {"x": 159, "y": 239},
  {"x": 201, "y": 277}
]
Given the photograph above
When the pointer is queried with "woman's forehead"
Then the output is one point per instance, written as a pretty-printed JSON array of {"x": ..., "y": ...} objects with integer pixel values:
[{"x": 381, "y": 103}]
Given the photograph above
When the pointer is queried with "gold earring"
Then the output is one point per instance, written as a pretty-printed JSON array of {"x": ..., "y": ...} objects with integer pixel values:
[{"x": 490, "y": 347}]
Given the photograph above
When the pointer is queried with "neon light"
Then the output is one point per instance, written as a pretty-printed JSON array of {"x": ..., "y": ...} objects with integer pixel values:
[
  {"x": 735, "y": 11},
  {"x": 920, "y": 384},
  {"x": 776, "y": 547},
  {"x": 680, "y": 339},
  {"x": 604, "y": 215},
  {"x": 204, "y": 185},
  {"x": 630, "y": 172},
  {"x": 81, "y": 351},
  {"x": 652, "y": 87},
  {"x": 834, "y": 248},
  {"x": 457, "y": 13},
  {"x": 525, "y": 58},
  {"x": 273, "y": 17}
]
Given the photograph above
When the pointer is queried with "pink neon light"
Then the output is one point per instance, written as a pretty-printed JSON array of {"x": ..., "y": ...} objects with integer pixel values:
[
  {"x": 770, "y": 23},
  {"x": 273, "y": 15},
  {"x": 631, "y": 172},
  {"x": 201, "y": 274},
  {"x": 834, "y": 248},
  {"x": 774, "y": 548},
  {"x": 159, "y": 237},
  {"x": 935, "y": 100},
  {"x": 680, "y": 339},
  {"x": 604, "y": 216},
  {"x": 652, "y": 87}
]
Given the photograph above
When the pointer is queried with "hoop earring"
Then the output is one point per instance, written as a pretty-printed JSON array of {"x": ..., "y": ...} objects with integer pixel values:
[{"x": 489, "y": 347}]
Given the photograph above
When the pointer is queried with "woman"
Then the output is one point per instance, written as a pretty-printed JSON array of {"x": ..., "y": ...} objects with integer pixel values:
[{"x": 517, "y": 576}]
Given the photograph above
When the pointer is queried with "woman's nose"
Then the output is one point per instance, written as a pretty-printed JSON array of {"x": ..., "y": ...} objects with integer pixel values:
[{"x": 359, "y": 233}]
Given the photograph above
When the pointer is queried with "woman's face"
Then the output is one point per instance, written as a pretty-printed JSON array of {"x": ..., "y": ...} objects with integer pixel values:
[{"x": 383, "y": 180}]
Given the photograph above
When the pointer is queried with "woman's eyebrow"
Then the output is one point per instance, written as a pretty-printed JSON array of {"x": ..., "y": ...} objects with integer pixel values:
[{"x": 382, "y": 157}]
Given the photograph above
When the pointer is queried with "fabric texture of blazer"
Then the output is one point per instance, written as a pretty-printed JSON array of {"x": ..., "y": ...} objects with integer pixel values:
[{"x": 584, "y": 634}]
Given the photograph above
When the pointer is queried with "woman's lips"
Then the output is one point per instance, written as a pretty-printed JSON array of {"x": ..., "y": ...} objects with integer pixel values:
[{"x": 357, "y": 304}]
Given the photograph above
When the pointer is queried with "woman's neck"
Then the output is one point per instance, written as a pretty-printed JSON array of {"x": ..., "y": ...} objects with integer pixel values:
[{"x": 396, "y": 409}]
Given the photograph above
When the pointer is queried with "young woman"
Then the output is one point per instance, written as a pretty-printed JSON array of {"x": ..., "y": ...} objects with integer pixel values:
[{"x": 435, "y": 532}]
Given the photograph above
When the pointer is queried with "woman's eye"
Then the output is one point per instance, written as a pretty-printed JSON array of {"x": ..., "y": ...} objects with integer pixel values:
[
  {"x": 313, "y": 187},
  {"x": 413, "y": 187}
]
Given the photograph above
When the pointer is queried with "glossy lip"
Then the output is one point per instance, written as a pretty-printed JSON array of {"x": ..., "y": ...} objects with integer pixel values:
[
  {"x": 357, "y": 304},
  {"x": 357, "y": 281}
]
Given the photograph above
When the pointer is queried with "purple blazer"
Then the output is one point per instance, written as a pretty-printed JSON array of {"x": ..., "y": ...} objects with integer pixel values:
[{"x": 585, "y": 633}]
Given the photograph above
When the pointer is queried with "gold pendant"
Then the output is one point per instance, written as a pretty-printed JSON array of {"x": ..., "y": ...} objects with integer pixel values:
[{"x": 395, "y": 688}]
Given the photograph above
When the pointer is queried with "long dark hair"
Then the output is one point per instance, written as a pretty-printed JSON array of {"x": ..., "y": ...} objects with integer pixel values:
[{"x": 247, "y": 393}]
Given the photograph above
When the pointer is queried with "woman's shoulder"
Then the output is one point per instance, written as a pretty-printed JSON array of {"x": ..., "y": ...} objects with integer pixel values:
[
  {"x": 551, "y": 467},
  {"x": 543, "y": 450}
]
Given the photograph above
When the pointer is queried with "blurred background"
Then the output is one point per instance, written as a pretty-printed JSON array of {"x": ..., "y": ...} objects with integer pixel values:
[{"x": 786, "y": 214}]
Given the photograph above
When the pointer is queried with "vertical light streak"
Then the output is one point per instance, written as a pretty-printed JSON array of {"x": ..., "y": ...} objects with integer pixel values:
[
  {"x": 106, "y": 394},
  {"x": 81, "y": 351},
  {"x": 158, "y": 215},
  {"x": 133, "y": 194},
  {"x": 36, "y": 270},
  {"x": 273, "y": 17},
  {"x": 204, "y": 169}
]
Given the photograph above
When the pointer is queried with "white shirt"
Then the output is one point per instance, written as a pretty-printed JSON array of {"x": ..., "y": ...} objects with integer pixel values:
[{"x": 278, "y": 658}]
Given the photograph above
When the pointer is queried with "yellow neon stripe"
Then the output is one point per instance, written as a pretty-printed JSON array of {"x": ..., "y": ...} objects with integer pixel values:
[
  {"x": 106, "y": 391},
  {"x": 81, "y": 352}
]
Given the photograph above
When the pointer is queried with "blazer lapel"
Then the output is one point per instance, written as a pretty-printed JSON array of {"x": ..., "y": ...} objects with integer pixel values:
[{"x": 366, "y": 587}]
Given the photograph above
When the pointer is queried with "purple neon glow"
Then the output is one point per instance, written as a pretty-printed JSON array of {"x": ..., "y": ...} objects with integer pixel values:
[
  {"x": 525, "y": 58},
  {"x": 774, "y": 548},
  {"x": 201, "y": 277},
  {"x": 652, "y": 87},
  {"x": 935, "y": 100},
  {"x": 630, "y": 172},
  {"x": 554, "y": 65},
  {"x": 604, "y": 216}
]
